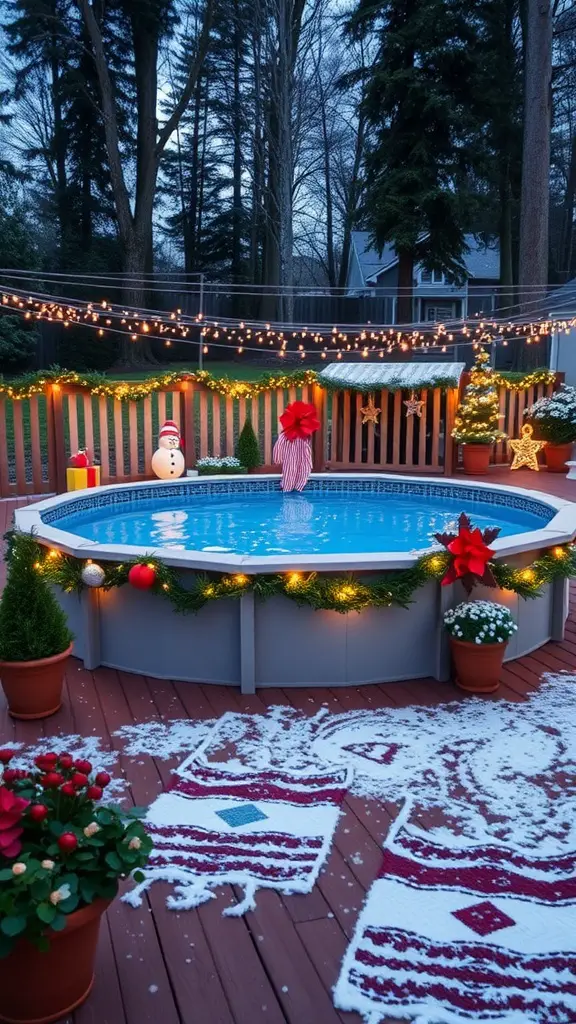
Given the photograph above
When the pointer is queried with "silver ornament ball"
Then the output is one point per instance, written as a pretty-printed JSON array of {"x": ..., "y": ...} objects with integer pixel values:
[{"x": 93, "y": 575}]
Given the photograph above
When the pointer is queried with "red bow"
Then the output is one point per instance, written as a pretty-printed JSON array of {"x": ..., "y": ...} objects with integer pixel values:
[
  {"x": 299, "y": 419},
  {"x": 470, "y": 554}
]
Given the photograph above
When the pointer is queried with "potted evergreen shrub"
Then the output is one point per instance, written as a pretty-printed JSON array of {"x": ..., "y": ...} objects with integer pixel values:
[
  {"x": 554, "y": 421},
  {"x": 479, "y": 633},
  {"x": 477, "y": 420},
  {"x": 35, "y": 641},
  {"x": 62, "y": 853},
  {"x": 247, "y": 448}
]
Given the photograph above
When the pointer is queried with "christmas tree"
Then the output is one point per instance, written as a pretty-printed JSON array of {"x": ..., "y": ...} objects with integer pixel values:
[
  {"x": 477, "y": 418},
  {"x": 247, "y": 450},
  {"x": 32, "y": 623}
]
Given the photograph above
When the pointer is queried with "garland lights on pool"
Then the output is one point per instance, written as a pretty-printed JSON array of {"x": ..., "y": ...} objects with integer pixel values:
[
  {"x": 97, "y": 384},
  {"x": 321, "y": 591}
]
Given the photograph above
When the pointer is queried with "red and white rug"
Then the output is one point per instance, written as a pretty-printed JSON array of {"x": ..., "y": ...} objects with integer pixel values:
[
  {"x": 254, "y": 829},
  {"x": 464, "y": 933}
]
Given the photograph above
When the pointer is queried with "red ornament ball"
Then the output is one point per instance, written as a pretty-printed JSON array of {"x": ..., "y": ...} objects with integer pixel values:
[
  {"x": 66, "y": 761},
  {"x": 83, "y": 766},
  {"x": 79, "y": 779},
  {"x": 38, "y": 812},
  {"x": 6, "y": 756},
  {"x": 67, "y": 842},
  {"x": 102, "y": 779},
  {"x": 68, "y": 789},
  {"x": 94, "y": 793},
  {"x": 80, "y": 460},
  {"x": 52, "y": 780},
  {"x": 142, "y": 577}
]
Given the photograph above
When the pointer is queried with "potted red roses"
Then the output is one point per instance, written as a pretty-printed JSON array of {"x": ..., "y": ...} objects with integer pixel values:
[{"x": 62, "y": 853}]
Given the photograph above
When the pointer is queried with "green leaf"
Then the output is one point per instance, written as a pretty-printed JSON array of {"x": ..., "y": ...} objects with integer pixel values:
[
  {"x": 138, "y": 876},
  {"x": 67, "y": 906},
  {"x": 113, "y": 861},
  {"x": 59, "y": 922},
  {"x": 13, "y": 925},
  {"x": 46, "y": 912},
  {"x": 87, "y": 890},
  {"x": 6, "y": 875}
]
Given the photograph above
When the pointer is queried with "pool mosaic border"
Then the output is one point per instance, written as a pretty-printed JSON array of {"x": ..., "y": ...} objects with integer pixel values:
[{"x": 134, "y": 495}]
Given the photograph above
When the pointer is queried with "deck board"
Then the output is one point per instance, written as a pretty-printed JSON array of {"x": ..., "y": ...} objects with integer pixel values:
[{"x": 278, "y": 964}]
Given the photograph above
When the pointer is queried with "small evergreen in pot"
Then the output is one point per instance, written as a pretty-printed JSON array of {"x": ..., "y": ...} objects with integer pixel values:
[
  {"x": 476, "y": 426},
  {"x": 479, "y": 633},
  {"x": 247, "y": 448},
  {"x": 554, "y": 421},
  {"x": 62, "y": 853},
  {"x": 35, "y": 640}
]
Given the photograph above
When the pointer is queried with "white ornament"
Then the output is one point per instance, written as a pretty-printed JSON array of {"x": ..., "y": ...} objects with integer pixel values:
[{"x": 92, "y": 575}]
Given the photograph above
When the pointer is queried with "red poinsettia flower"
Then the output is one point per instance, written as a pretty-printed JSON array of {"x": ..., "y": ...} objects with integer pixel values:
[
  {"x": 471, "y": 554},
  {"x": 11, "y": 810},
  {"x": 299, "y": 419}
]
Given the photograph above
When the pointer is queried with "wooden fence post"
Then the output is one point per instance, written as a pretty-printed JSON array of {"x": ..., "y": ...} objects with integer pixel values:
[
  {"x": 56, "y": 440},
  {"x": 319, "y": 441},
  {"x": 450, "y": 449},
  {"x": 187, "y": 391}
]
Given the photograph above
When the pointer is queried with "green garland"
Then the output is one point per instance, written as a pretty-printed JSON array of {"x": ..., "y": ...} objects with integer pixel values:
[
  {"x": 321, "y": 591},
  {"x": 392, "y": 385},
  {"x": 98, "y": 384}
]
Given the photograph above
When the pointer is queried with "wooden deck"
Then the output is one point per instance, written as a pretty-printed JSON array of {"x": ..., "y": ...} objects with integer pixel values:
[{"x": 277, "y": 964}]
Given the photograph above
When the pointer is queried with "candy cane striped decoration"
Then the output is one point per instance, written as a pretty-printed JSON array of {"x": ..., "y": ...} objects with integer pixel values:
[{"x": 295, "y": 457}]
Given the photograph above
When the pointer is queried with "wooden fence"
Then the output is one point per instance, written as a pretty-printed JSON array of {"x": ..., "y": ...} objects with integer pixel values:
[{"x": 38, "y": 434}]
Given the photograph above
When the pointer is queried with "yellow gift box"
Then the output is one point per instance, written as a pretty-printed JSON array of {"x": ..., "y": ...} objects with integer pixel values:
[{"x": 78, "y": 479}]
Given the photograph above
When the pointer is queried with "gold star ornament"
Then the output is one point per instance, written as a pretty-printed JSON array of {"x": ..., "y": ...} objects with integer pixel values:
[
  {"x": 526, "y": 449},
  {"x": 369, "y": 412},
  {"x": 414, "y": 406}
]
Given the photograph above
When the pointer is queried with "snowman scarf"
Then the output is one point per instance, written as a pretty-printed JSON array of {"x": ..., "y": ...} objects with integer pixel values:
[{"x": 293, "y": 449}]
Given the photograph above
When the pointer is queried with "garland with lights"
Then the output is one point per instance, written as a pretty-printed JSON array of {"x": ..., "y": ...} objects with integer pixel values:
[
  {"x": 98, "y": 384},
  {"x": 321, "y": 591}
]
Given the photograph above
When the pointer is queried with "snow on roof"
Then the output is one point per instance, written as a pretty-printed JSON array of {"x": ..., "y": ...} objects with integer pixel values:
[
  {"x": 481, "y": 261},
  {"x": 395, "y": 376}
]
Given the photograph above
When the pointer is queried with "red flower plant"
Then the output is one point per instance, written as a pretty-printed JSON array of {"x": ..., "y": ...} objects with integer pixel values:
[
  {"x": 11, "y": 810},
  {"x": 299, "y": 419},
  {"x": 470, "y": 554}
]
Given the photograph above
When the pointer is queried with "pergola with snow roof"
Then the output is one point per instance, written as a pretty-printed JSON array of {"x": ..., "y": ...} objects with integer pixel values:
[{"x": 391, "y": 416}]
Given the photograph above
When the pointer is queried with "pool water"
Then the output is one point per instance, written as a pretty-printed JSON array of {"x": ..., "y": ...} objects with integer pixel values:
[{"x": 277, "y": 524}]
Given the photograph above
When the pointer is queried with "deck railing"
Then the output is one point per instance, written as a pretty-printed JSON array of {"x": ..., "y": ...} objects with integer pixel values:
[{"x": 38, "y": 434}]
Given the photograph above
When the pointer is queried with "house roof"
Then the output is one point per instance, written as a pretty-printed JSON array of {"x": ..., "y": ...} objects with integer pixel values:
[
  {"x": 561, "y": 301},
  {"x": 481, "y": 261},
  {"x": 393, "y": 376}
]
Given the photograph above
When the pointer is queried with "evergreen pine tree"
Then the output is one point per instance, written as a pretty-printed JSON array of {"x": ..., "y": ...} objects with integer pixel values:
[
  {"x": 247, "y": 448},
  {"x": 477, "y": 419},
  {"x": 32, "y": 623},
  {"x": 418, "y": 103}
]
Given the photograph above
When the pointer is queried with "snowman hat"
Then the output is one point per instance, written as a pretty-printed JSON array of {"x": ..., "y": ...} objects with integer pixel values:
[{"x": 170, "y": 429}]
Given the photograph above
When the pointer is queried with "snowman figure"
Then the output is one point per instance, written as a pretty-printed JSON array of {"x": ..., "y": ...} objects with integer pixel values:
[{"x": 168, "y": 460}]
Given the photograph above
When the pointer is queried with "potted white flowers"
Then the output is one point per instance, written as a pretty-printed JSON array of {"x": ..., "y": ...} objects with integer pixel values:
[
  {"x": 555, "y": 421},
  {"x": 479, "y": 633},
  {"x": 212, "y": 465}
]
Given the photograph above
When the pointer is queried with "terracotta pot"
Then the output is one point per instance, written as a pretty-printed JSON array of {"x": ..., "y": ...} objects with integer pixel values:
[
  {"x": 478, "y": 666},
  {"x": 557, "y": 455},
  {"x": 33, "y": 689},
  {"x": 476, "y": 458},
  {"x": 35, "y": 987}
]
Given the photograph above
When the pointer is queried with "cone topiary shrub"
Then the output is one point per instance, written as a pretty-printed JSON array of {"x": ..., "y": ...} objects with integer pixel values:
[
  {"x": 32, "y": 623},
  {"x": 247, "y": 448}
]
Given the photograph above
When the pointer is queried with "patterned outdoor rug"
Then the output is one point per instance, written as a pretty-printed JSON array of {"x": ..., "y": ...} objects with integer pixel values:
[
  {"x": 255, "y": 829},
  {"x": 464, "y": 933}
]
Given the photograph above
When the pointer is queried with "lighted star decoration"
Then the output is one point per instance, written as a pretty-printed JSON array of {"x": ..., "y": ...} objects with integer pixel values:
[
  {"x": 526, "y": 449},
  {"x": 414, "y": 406},
  {"x": 369, "y": 412}
]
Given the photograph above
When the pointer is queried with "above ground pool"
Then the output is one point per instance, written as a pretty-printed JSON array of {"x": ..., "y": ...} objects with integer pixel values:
[
  {"x": 361, "y": 524},
  {"x": 316, "y": 522}
]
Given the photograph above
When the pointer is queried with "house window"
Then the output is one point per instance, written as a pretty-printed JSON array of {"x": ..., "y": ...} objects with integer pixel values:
[
  {"x": 431, "y": 277},
  {"x": 440, "y": 313}
]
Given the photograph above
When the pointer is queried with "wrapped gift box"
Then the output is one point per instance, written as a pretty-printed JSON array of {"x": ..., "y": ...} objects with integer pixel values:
[{"x": 77, "y": 479}]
